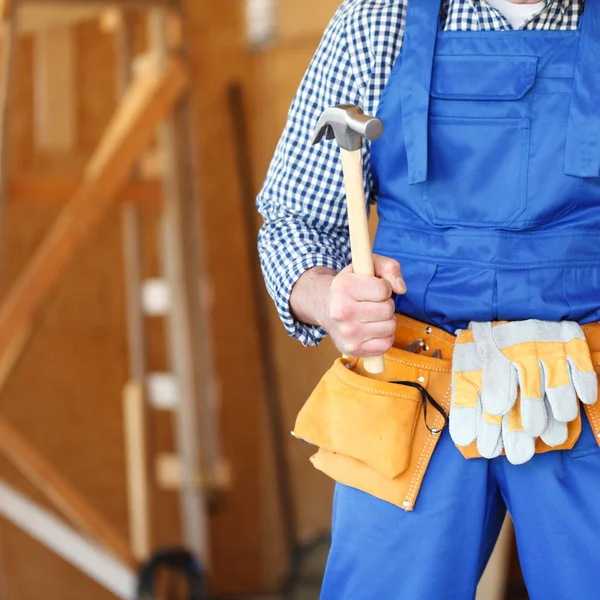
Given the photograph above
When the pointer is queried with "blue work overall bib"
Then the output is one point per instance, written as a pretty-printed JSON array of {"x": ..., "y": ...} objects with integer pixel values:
[
  {"x": 488, "y": 180},
  {"x": 488, "y": 172}
]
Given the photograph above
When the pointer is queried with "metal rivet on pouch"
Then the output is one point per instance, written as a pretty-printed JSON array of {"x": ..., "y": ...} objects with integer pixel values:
[
  {"x": 425, "y": 347},
  {"x": 435, "y": 431},
  {"x": 598, "y": 433},
  {"x": 406, "y": 504},
  {"x": 421, "y": 379},
  {"x": 428, "y": 330}
]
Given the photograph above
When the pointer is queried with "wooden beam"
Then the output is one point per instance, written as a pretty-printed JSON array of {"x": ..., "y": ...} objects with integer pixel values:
[
  {"x": 169, "y": 475},
  {"x": 9, "y": 47},
  {"x": 138, "y": 477},
  {"x": 36, "y": 17},
  {"x": 54, "y": 90},
  {"x": 82, "y": 553},
  {"x": 31, "y": 189},
  {"x": 60, "y": 492}
]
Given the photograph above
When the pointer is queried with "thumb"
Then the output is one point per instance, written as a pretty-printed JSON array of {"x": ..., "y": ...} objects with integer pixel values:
[{"x": 389, "y": 269}]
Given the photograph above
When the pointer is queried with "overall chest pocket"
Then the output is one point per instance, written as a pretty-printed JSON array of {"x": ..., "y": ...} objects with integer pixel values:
[{"x": 479, "y": 140}]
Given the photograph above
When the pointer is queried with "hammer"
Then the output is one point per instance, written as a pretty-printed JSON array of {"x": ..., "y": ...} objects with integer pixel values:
[{"x": 348, "y": 124}]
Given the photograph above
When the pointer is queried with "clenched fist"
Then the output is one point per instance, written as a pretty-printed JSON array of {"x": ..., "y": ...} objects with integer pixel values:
[{"x": 356, "y": 310}]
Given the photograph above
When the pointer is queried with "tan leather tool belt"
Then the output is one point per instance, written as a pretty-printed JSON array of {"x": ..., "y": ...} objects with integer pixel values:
[{"x": 379, "y": 436}]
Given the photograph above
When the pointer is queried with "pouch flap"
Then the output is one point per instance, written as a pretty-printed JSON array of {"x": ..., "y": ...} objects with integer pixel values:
[
  {"x": 483, "y": 77},
  {"x": 368, "y": 420}
]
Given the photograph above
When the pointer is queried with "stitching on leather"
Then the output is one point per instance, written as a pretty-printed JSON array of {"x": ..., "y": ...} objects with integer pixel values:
[
  {"x": 425, "y": 456},
  {"x": 592, "y": 415},
  {"x": 424, "y": 367},
  {"x": 375, "y": 391}
]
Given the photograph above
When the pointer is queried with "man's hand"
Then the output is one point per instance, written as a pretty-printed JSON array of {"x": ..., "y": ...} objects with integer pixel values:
[{"x": 356, "y": 310}]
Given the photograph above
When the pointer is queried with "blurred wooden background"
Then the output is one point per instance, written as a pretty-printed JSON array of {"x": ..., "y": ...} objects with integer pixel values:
[{"x": 65, "y": 395}]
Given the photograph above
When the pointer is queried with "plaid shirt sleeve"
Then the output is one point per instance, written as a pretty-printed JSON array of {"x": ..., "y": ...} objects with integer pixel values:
[{"x": 302, "y": 201}]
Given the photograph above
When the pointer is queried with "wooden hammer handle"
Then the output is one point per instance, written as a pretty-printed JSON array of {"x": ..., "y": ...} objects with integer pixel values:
[{"x": 360, "y": 240}]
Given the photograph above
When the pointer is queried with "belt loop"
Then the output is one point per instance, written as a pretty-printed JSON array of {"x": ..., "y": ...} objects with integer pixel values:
[
  {"x": 582, "y": 156},
  {"x": 418, "y": 48}
]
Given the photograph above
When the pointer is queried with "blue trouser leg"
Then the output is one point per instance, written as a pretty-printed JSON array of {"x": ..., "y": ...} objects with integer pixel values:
[
  {"x": 380, "y": 552},
  {"x": 554, "y": 501},
  {"x": 439, "y": 550}
]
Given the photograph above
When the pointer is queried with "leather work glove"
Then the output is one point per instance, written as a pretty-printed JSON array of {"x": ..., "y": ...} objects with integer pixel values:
[
  {"x": 470, "y": 423},
  {"x": 549, "y": 361}
]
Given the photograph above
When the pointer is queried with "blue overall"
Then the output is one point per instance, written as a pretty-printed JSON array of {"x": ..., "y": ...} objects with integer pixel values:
[{"x": 488, "y": 177}]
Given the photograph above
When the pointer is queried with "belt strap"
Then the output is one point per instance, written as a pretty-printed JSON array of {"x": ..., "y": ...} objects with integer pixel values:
[
  {"x": 582, "y": 157},
  {"x": 420, "y": 34}
]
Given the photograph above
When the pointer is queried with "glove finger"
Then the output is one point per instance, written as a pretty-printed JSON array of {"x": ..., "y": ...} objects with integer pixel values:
[
  {"x": 489, "y": 436},
  {"x": 556, "y": 432},
  {"x": 584, "y": 382},
  {"x": 563, "y": 402},
  {"x": 518, "y": 444},
  {"x": 499, "y": 380},
  {"x": 499, "y": 387},
  {"x": 466, "y": 386},
  {"x": 463, "y": 425},
  {"x": 533, "y": 412}
]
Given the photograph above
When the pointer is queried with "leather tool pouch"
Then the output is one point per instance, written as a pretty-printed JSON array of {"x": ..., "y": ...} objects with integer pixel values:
[
  {"x": 370, "y": 421},
  {"x": 371, "y": 432}
]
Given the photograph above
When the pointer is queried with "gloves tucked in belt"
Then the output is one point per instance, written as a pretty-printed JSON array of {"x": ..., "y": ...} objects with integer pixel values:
[
  {"x": 486, "y": 405},
  {"x": 545, "y": 360}
]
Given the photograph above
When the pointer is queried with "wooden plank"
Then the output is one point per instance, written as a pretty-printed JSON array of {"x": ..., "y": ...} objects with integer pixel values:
[
  {"x": 36, "y": 17},
  {"x": 138, "y": 485},
  {"x": 58, "y": 190},
  {"x": 70, "y": 545},
  {"x": 169, "y": 475},
  {"x": 60, "y": 492},
  {"x": 9, "y": 45},
  {"x": 147, "y": 102},
  {"x": 54, "y": 89}
]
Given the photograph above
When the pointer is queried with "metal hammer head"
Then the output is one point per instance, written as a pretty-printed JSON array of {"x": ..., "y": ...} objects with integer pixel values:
[{"x": 348, "y": 124}]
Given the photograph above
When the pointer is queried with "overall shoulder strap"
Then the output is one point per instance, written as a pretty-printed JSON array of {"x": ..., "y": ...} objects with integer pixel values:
[
  {"x": 420, "y": 34},
  {"x": 582, "y": 157}
]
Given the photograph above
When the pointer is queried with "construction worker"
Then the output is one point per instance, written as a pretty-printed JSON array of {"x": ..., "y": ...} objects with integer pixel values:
[{"x": 487, "y": 183}]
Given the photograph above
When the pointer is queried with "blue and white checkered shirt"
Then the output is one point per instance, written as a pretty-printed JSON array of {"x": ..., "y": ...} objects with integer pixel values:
[{"x": 302, "y": 201}]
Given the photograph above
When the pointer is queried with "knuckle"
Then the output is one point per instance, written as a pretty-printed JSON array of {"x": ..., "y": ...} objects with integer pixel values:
[
  {"x": 349, "y": 330},
  {"x": 341, "y": 310},
  {"x": 384, "y": 289},
  {"x": 353, "y": 348}
]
